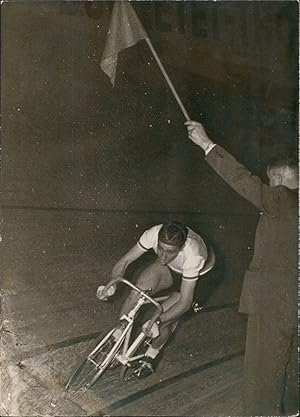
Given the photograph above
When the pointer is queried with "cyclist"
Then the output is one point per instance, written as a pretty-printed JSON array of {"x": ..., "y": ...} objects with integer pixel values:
[{"x": 181, "y": 254}]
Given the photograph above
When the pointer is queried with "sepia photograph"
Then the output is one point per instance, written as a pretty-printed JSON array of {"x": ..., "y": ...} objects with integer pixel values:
[{"x": 149, "y": 208}]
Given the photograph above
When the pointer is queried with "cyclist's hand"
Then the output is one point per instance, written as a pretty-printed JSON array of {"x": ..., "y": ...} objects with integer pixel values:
[
  {"x": 103, "y": 295},
  {"x": 153, "y": 332}
]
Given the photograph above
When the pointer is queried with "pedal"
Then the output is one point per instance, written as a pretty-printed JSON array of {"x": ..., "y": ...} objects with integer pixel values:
[
  {"x": 147, "y": 342},
  {"x": 144, "y": 370},
  {"x": 197, "y": 307}
]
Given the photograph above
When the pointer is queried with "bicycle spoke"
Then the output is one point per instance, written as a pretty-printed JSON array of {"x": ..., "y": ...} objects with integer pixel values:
[
  {"x": 93, "y": 366},
  {"x": 82, "y": 376}
]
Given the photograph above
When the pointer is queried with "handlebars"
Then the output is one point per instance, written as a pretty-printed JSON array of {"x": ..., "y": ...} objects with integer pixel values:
[{"x": 141, "y": 292}]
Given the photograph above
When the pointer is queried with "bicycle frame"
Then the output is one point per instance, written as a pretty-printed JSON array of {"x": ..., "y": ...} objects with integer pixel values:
[{"x": 128, "y": 350}]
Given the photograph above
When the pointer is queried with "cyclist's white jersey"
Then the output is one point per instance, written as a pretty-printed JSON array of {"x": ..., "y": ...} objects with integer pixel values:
[{"x": 189, "y": 261}]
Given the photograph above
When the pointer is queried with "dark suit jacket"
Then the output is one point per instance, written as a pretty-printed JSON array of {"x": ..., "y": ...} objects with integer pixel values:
[{"x": 271, "y": 281}]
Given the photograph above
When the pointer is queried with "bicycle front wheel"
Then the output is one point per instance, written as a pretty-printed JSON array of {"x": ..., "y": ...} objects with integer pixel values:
[{"x": 90, "y": 370}]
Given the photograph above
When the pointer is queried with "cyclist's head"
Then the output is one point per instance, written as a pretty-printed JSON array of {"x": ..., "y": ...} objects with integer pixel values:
[
  {"x": 173, "y": 233},
  {"x": 171, "y": 238}
]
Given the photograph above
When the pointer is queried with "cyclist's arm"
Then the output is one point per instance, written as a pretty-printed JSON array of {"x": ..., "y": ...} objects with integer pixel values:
[
  {"x": 187, "y": 290},
  {"x": 120, "y": 267}
]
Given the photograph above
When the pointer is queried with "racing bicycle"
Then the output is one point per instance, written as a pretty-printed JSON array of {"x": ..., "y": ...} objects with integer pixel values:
[{"x": 128, "y": 348}]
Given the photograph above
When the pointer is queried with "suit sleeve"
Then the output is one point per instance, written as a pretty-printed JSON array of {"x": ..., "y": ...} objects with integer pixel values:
[{"x": 249, "y": 186}]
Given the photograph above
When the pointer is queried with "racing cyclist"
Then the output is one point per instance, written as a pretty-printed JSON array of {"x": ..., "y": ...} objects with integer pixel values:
[{"x": 181, "y": 254}]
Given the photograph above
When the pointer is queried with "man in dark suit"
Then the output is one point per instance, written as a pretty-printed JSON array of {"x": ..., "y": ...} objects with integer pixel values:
[{"x": 269, "y": 294}]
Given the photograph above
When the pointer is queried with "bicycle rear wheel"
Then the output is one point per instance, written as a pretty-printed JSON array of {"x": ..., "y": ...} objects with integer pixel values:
[{"x": 92, "y": 367}]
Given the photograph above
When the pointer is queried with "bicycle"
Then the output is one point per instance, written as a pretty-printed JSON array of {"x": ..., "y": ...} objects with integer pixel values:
[{"x": 110, "y": 352}]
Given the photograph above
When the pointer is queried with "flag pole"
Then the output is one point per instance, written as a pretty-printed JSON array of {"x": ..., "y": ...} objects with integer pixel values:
[{"x": 172, "y": 88}]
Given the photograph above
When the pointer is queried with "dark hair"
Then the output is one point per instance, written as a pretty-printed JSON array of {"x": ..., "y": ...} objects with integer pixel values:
[
  {"x": 173, "y": 233},
  {"x": 283, "y": 161}
]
